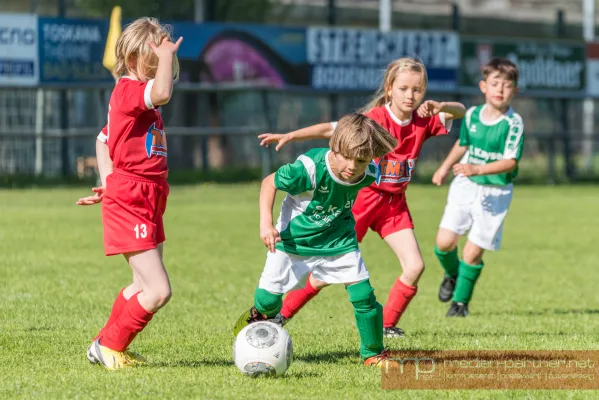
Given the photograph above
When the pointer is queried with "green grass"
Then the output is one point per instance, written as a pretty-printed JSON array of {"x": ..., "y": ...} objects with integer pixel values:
[{"x": 56, "y": 288}]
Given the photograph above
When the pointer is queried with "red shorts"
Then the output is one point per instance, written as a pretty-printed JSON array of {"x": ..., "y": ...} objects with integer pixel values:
[
  {"x": 132, "y": 211},
  {"x": 382, "y": 212}
]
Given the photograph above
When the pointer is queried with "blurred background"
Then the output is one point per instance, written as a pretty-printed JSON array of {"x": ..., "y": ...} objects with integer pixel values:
[{"x": 254, "y": 66}]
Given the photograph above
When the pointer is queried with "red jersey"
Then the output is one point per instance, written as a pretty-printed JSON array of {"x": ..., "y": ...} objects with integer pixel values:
[
  {"x": 397, "y": 167},
  {"x": 135, "y": 131}
]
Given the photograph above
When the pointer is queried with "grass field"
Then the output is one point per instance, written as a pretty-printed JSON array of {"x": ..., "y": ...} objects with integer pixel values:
[{"x": 539, "y": 292}]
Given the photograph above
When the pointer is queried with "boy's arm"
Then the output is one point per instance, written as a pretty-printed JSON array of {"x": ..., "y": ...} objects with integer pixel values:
[
  {"x": 495, "y": 167},
  {"x": 269, "y": 235},
  {"x": 455, "y": 155},
  {"x": 318, "y": 131}
]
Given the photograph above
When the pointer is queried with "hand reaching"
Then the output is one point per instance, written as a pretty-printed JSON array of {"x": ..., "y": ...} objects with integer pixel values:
[
  {"x": 269, "y": 138},
  {"x": 440, "y": 176},
  {"x": 429, "y": 108},
  {"x": 94, "y": 199}
]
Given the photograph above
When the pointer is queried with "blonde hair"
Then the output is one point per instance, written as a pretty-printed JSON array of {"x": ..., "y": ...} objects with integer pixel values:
[
  {"x": 132, "y": 45},
  {"x": 357, "y": 136},
  {"x": 381, "y": 97}
]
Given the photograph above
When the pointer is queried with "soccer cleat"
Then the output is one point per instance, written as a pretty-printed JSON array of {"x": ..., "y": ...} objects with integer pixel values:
[
  {"x": 135, "y": 358},
  {"x": 248, "y": 317},
  {"x": 90, "y": 356},
  {"x": 110, "y": 359},
  {"x": 393, "y": 332},
  {"x": 280, "y": 320},
  {"x": 381, "y": 361},
  {"x": 446, "y": 289},
  {"x": 457, "y": 310}
]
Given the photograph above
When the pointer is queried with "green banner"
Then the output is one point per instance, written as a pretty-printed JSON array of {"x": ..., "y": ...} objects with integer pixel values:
[{"x": 543, "y": 65}]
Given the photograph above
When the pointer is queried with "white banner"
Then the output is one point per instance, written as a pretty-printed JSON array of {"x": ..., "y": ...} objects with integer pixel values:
[
  {"x": 18, "y": 50},
  {"x": 344, "y": 58},
  {"x": 371, "y": 47}
]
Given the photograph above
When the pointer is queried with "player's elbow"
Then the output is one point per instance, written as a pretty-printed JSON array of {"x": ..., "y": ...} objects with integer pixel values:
[
  {"x": 160, "y": 97},
  {"x": 511, "y": 165}
]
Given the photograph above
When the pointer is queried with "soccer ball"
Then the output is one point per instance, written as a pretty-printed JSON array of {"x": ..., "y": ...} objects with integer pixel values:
[{"x": 263, "y": 348}]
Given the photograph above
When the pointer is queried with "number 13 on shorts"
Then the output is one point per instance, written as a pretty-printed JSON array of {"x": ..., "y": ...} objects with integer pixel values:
[{"x": 141, "y": 231}]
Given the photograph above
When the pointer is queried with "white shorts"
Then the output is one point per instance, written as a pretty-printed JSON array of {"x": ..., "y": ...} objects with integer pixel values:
[
  {"x": 284, "y": 272},
  {"x": 479, "y": 209}
]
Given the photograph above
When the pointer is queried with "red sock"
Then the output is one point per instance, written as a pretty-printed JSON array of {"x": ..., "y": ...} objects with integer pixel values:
[
  {"x": 399, "y": 298},
  {"x": 296, "y": 299},
  {"x": 117, "y": 307},
  {"x": 132, "y": 320}
]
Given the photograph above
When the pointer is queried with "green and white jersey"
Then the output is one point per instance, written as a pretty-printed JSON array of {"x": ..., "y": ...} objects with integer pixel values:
[
  {"x": 490, "y": 141},
  {"x": 316, "y": 217}
]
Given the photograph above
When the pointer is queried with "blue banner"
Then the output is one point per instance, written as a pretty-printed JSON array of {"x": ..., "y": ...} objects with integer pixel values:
[
  {"x": 217, "y": 53},
  {"x": 71, "y": 51},
  {"x": 355, "y": 59}
]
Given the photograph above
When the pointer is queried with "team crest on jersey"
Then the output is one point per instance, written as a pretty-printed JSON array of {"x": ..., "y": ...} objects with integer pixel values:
[
  {"x": 155, "y": 142},
  {"x": 396, "y": 171}
]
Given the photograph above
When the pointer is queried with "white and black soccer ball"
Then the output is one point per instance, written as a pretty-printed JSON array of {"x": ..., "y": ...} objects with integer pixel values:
[{"x": 263, "y": 348}]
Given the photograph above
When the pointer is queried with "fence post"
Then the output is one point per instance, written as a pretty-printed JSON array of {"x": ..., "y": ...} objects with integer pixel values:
[
  {"x": 265, "y": 155},
  {"x": 64, "y": 125},
  {"x": 551, "y": 159},
  {"x": 563, "y": 105},
  {"x": 39, "y": 132}
]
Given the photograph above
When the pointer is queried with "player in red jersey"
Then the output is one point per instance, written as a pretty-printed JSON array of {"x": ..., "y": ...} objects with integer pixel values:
[
  {"x": 132, "y": 153},
  {"x": 397, "y": 106}
]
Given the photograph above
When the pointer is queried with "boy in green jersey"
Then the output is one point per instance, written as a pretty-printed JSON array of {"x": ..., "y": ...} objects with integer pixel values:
[
  {"x": 315, "y": 232},
  {"x": 485, "y": 162}
]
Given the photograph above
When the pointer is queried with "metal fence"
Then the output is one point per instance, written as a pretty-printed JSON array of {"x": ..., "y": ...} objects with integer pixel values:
[{"x": 50, "y": 131}]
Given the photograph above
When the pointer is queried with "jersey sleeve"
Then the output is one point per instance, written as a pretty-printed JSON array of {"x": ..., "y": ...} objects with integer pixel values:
[
  {"x": 464, "y": 139},
  {"x": 296, "y": 178},
  {"x": 437, "y": 126},
  {"x": 134, "y": 96},
  {"x": 103, "y": 135},
  {"x": 514, "y": 143},
  {"x": 465, "y": 128}
]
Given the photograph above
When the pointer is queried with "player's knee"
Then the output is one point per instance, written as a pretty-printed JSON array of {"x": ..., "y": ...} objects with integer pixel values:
[
  {"x": 446, "y": 241},
  {"x": 162, "y": 296},
  {"x": 414, "y": 268},
  {"x": 316, "y": 283},
  {"x": 473, "y": 254},
  {"x": 473, "y": 258},
  {"x": 361, "y": 295}
]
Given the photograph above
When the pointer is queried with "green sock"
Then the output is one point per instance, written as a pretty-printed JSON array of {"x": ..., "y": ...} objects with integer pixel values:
[
  {"x": 467, "y": 278},
  {"x": 449, "y": 261},
  {"x": 369, "y": 318},
  {"x": 268, "y": 303}
]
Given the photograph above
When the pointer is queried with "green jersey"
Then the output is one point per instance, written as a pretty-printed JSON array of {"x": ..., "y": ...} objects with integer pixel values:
[
  {"x": 316, "y": 217},
  {"x": 490, "y": 141}
]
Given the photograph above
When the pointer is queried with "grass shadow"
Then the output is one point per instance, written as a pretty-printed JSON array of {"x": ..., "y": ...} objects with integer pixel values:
[
  {"x": 546, "y": 312},
  {"x": 331, "y": 357},
  {"x": 193, "y": 363}
]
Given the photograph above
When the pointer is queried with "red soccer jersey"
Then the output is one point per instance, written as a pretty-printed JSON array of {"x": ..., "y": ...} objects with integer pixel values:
[
  {"x": 135, "y": 131},
  {"x": 397, "y": 167}
]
